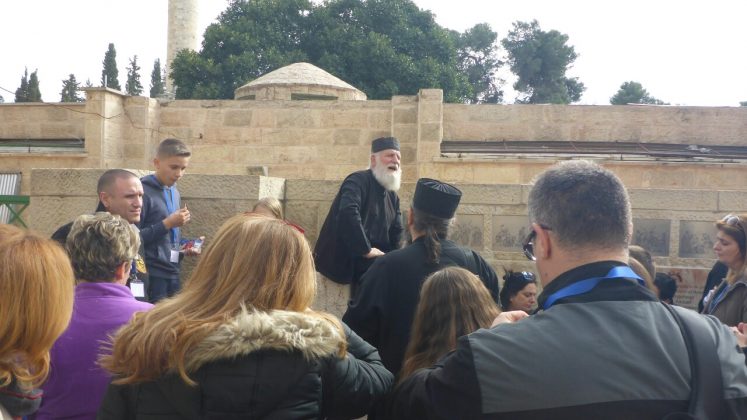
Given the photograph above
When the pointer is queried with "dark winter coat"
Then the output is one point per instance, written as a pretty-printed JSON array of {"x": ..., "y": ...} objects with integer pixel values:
[
  {"x": 276, "y": 365},
  {"x": 614, "y": 352},
  {"x": 732, "y": 309},
  {"x": 363, "y": 215},
  {"x": 384, "y": 309}
]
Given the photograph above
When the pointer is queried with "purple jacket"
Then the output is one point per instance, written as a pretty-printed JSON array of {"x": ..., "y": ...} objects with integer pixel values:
[{"x": 76, "y": 384}]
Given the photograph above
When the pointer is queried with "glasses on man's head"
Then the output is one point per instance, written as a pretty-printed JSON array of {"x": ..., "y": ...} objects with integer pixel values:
[{"x": 528, "y": 244}]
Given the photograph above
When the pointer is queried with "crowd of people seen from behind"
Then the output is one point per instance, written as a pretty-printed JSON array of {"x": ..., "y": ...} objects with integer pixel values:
[{"x": 97, "y": 323}]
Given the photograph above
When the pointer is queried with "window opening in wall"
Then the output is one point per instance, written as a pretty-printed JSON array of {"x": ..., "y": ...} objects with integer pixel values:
[
  {"x": 311, "y": 97},
  {"x": 42, "y": 145}
]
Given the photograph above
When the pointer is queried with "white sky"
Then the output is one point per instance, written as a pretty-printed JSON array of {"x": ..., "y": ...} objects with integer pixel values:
[{"x": 684, "y": 52}]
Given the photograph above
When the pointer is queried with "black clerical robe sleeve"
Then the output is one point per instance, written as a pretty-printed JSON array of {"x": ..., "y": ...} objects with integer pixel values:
[
  {"x": 396, "y": 230},
  {"x": 487, "y": 275},
  {"x": 365, "y": 314},
  {"x": 353, "y": 194}
]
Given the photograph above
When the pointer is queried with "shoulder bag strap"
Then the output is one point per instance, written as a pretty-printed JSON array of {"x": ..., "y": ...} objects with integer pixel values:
[{"x": 706, "y": 384}]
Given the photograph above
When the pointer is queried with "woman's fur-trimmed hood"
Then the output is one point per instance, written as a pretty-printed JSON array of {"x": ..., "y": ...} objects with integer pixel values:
[{"x": 252, "y": 331}]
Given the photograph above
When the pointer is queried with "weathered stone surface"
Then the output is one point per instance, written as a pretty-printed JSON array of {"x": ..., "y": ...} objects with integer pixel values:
[
  {"x": 331, "y": 297},
  {"x": 732, "y": 201},
  {"x": 673, "y": 199},
  {"x": 231, "y": 187},
  {"x": 491, "y": 194},
  {"x": 65, "y": 182},
  {"x": 47, "y": 213},
  {"x": 309, "y": 190}
]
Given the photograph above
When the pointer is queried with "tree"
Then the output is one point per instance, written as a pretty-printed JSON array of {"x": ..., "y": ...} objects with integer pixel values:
[
  {"x": 34, "y": 91},
  {"x": 157, "y": 87},
  {"x": 2, "y": 100},
  {"x": 70, "y": 88},
  {"x": 29, "y": 89},
  {"x": 743, "y": 103},
  {"x": 110, "y": 74},
  {"x": 133, "y": 86},
  {"x": 383, "y": 47},
  {"x": 634, "y": 93},
  {"x": 88, "y": 84},
  {"x": 540, "y": 60},
  {"x": 478, "y": 59},
  {"x": 22, "y": 93}
]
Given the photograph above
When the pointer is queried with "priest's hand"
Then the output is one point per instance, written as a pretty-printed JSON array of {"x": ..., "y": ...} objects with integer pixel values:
[{"x": 375, "y": 252}]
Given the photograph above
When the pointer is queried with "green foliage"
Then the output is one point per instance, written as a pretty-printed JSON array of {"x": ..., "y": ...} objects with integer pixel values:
[
  {"x": 133, "y": 86},
  {"x": 70, "y": 88},
  {"x": 34, "y": 92},
  {"x": 743, "y": 103},
  {"x": 634, "y": 93},
  {"x": 2, "y": 100},
  {"x": 110, "y": 73},
  {"x": 157, "y": 86},
  {"x": 29, "y": 89},
  {"x": 22, "y": 93},
  {"x": 383, "y": 47},
  {"x": 478, "y": 59},
  {"x": 540, "y": 60}
]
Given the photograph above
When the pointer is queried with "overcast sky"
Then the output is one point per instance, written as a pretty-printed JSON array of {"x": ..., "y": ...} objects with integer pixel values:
[{"x": 684, "y": 52}]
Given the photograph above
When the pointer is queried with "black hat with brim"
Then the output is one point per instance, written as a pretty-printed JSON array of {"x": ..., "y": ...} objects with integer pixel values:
[
  {"x": 436, "y": 198},
  {"x": 384, "y": 143}
]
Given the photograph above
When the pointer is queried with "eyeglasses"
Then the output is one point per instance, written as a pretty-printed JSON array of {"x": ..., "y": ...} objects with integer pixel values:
[
  {"x": 528, "y": 244},
  {"x": 528, "y": 276},
  {"x": 733, "y": 220}
]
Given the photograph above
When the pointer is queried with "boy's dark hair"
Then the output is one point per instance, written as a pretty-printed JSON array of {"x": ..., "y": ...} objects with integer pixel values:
[{"x": 173, "y": 147}]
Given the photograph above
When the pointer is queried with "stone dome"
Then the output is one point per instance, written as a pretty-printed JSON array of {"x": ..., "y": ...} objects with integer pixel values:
[{"x": 299, "y": 81}]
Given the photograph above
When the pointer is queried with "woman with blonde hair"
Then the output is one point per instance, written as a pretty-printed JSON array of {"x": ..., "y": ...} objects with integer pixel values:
[
  {"x": 36, "y": 301},
  {"x": 728, "y": 300},
  {"x": 270, "y": 207},
  {"x": 241, "y": 341},
  {"x": 453, "y": 302}
]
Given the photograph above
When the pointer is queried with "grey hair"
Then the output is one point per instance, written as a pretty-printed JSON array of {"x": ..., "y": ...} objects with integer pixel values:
[
  {"x": 584, "y": 204},
  {"x": 100, "y": 243}
]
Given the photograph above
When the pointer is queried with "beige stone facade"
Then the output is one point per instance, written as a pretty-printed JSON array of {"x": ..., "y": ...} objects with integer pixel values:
[{"x": 308, "y": 147}]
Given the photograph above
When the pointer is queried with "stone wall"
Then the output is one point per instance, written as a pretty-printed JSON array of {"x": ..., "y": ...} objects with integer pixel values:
[
  {"x": 675, "y": 225},
  {"x": 654, "y": 124}
]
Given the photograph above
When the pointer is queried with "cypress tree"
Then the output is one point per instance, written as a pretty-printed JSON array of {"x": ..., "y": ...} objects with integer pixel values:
[
  {"x": 133, "y": 86},
  {"x": 110, "y": 74},
  {"x": 34, "y": 92},
  {"x": 156, "y": 80}
]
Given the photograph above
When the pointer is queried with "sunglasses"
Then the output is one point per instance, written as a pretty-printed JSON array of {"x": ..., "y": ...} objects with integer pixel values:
[
  {"x": 734, "y": 221},
  {"x": 528, "y": 244}
]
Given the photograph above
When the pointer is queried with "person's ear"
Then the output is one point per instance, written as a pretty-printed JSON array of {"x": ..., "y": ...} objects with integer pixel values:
[
  {"x": 542, "y": 243},
  {"x": 156, "y": 163},
  {"x": 105, "y": 199},
  {"x": 373, "y": 160},
  {"x": 123, "y": 271}
]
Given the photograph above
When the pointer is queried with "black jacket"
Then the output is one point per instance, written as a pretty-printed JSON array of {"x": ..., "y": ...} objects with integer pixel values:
[
  {"x": 614, "y": 352},
  {"x": 363, "y": 215},
  {"x": 384, "y": 309},
  {"x": 276, "y": 365}
]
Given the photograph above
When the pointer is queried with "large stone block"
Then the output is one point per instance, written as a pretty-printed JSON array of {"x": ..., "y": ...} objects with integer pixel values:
[
  {"x": 331, "y": 297},
  {"x": 405, "y": 115},
  {"x": 732, "y": 201},
  {"x": 338, "y": 118},
  {"x": 65, "y": 182},
  {"x": 674, "y": 199},
  {"x": 491, "y": 194},
  {"x": 311, "y": 190},
  {"x": 430, "y": 112},
  {"x": 229, "y": 187},
  {"x": 380, "y": 120},
  {"x": 237, "y": 118},
  {"x": 47, "y": 213},
  {"x": 298, "y": 118},
  {"x": 347, "y": 136},
  {"x": 431, "y": 95}
]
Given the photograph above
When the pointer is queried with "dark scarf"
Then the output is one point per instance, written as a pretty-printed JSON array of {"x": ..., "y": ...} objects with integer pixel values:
[{"x": 20, "y": 402}]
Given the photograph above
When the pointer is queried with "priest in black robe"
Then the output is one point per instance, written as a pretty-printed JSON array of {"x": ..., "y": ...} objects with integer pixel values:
[
  {"x": 364, "y": 221},
  {"x": 384, "y": 308}
]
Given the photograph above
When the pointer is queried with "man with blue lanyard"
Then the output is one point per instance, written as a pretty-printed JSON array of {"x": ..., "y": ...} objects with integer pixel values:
[
  {"x": 600, "y": 345},
  {"x": 162, "y": 217}
]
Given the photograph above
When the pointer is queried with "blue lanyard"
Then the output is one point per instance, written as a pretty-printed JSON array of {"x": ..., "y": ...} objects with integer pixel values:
[
  {"x": 584, "y": 286},
  {"x": 717, "y": 299},
  {"x": 171, "y": 208}
]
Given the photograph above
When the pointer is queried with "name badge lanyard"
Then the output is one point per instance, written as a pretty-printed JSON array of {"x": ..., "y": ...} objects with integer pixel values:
[
  {"x": 717, "y": 299},
  {"x": 585, "y": 286},
  {"x": 168, "y": 194}
]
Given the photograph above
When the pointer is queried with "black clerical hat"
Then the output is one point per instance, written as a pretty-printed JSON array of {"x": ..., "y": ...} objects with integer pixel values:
[
  {"x": 384, "y": 143},
  {"x": 436, "y": 198}
]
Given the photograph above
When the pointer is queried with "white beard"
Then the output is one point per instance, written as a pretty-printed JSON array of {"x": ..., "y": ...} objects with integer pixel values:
[{"x": 389, "y": 180}]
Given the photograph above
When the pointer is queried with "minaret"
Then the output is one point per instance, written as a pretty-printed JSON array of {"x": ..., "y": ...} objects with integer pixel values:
[{"x": 182, "y": 33}]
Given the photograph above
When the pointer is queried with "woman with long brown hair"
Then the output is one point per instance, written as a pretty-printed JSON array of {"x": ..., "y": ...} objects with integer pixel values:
[
  {"x": 453, "y": 302},
  {"x": 728, "y": 300},
  {"x": 36, "y": 302},
  {"x": 241, "y": 340}
]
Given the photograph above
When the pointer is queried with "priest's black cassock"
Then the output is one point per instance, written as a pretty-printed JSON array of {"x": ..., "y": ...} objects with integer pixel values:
[{"x": 363, "y": 215}]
